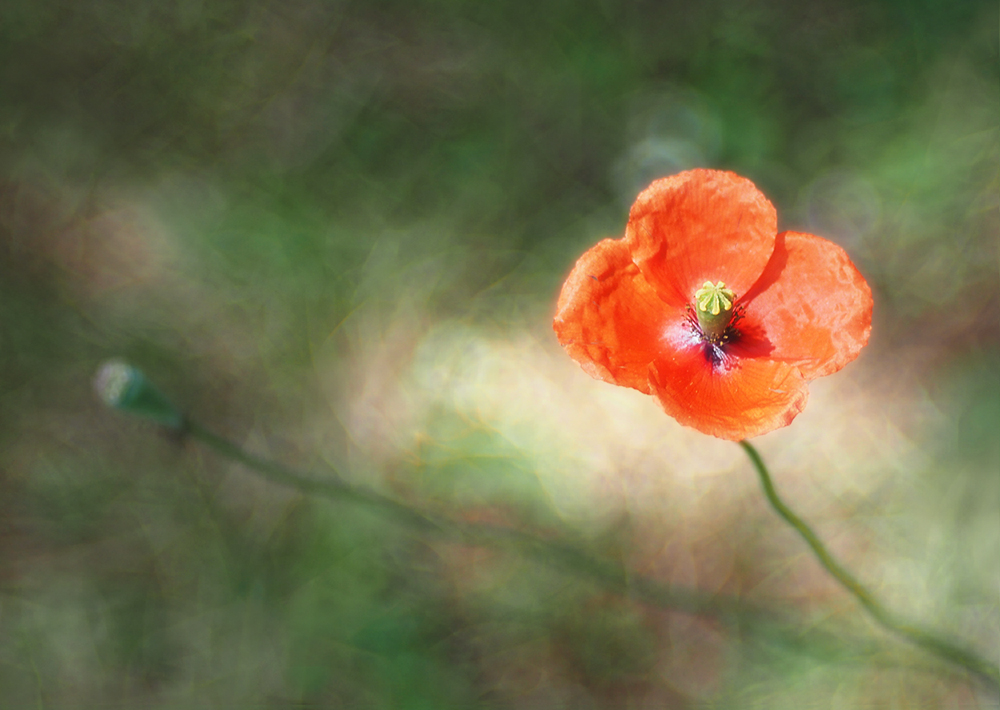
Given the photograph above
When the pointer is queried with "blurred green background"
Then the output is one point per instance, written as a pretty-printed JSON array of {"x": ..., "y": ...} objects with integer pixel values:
[{"x": 334, "y": 231}]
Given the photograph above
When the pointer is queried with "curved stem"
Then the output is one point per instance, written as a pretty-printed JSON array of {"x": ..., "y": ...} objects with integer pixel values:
[
  {"x": 551, "y": 551},
  {"x": 569, "y": 557},
  {"x": 928, "y": 640}
]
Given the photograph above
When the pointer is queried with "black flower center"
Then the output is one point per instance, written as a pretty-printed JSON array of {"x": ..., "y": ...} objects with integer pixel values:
[{"x": 713, "y": 318}]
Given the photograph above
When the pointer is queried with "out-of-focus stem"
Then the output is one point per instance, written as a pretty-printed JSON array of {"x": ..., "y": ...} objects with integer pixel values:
[
  {"x": 328, "y": 487},
  {"x": 549, "y": 551},
  {"x": 125, "y": 388},
  {"x": 928, "y": 640}
]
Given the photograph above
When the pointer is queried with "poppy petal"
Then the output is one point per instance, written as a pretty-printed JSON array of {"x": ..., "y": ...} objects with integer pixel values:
[
  {"x": 745, "y": 397},
  {"x": 698, "y": 226},
  {"x": 609, "y": 319},
  {"x": 812, "y": 304}
]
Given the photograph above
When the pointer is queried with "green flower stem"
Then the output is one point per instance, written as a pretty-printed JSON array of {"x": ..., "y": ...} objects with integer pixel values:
[
  {"x": 932, "y": 642},
  {"x": 564, "y": 555},
  {"x": 328, "y": 487},
  {"x": 126, "y": 388},
  {"x": 766, "y": 626}
]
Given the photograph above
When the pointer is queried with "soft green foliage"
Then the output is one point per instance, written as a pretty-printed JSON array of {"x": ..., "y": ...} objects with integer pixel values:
[{"x": 334, "y": 230}]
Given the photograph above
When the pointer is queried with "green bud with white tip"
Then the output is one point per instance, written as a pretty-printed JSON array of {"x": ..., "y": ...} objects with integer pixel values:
[{"x": 124, "y": 387}]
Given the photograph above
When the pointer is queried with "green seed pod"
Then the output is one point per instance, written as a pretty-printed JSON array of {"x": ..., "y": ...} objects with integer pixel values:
[{"x": 714, "y": 309}]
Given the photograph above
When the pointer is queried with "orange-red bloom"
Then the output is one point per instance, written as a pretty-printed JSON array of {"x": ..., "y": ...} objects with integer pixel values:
[{"x": 730, "y": 359}]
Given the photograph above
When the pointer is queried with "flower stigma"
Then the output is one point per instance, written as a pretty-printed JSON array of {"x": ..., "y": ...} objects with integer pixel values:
[
  {"x": 713, "y": 320},
  {"x": 714, "y": 310}
]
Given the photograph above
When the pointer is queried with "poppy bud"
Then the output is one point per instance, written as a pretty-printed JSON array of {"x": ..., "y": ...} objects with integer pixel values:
[{"x": 126, "y": 388}]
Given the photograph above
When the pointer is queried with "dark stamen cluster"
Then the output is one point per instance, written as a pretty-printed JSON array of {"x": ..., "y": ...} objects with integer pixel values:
[{"x": 714, "y": 345}]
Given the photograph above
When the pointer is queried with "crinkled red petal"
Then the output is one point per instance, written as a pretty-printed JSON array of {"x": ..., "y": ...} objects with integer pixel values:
[
  {"x": 609, "y": 319},
  {"x": 811, "y": 305},
  {"x": 743, "y": 397},
  {"x": 697, "y": 226}
]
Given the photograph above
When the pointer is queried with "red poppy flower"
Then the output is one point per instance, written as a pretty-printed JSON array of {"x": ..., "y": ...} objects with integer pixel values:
[{"x": 704, "y": 306}]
